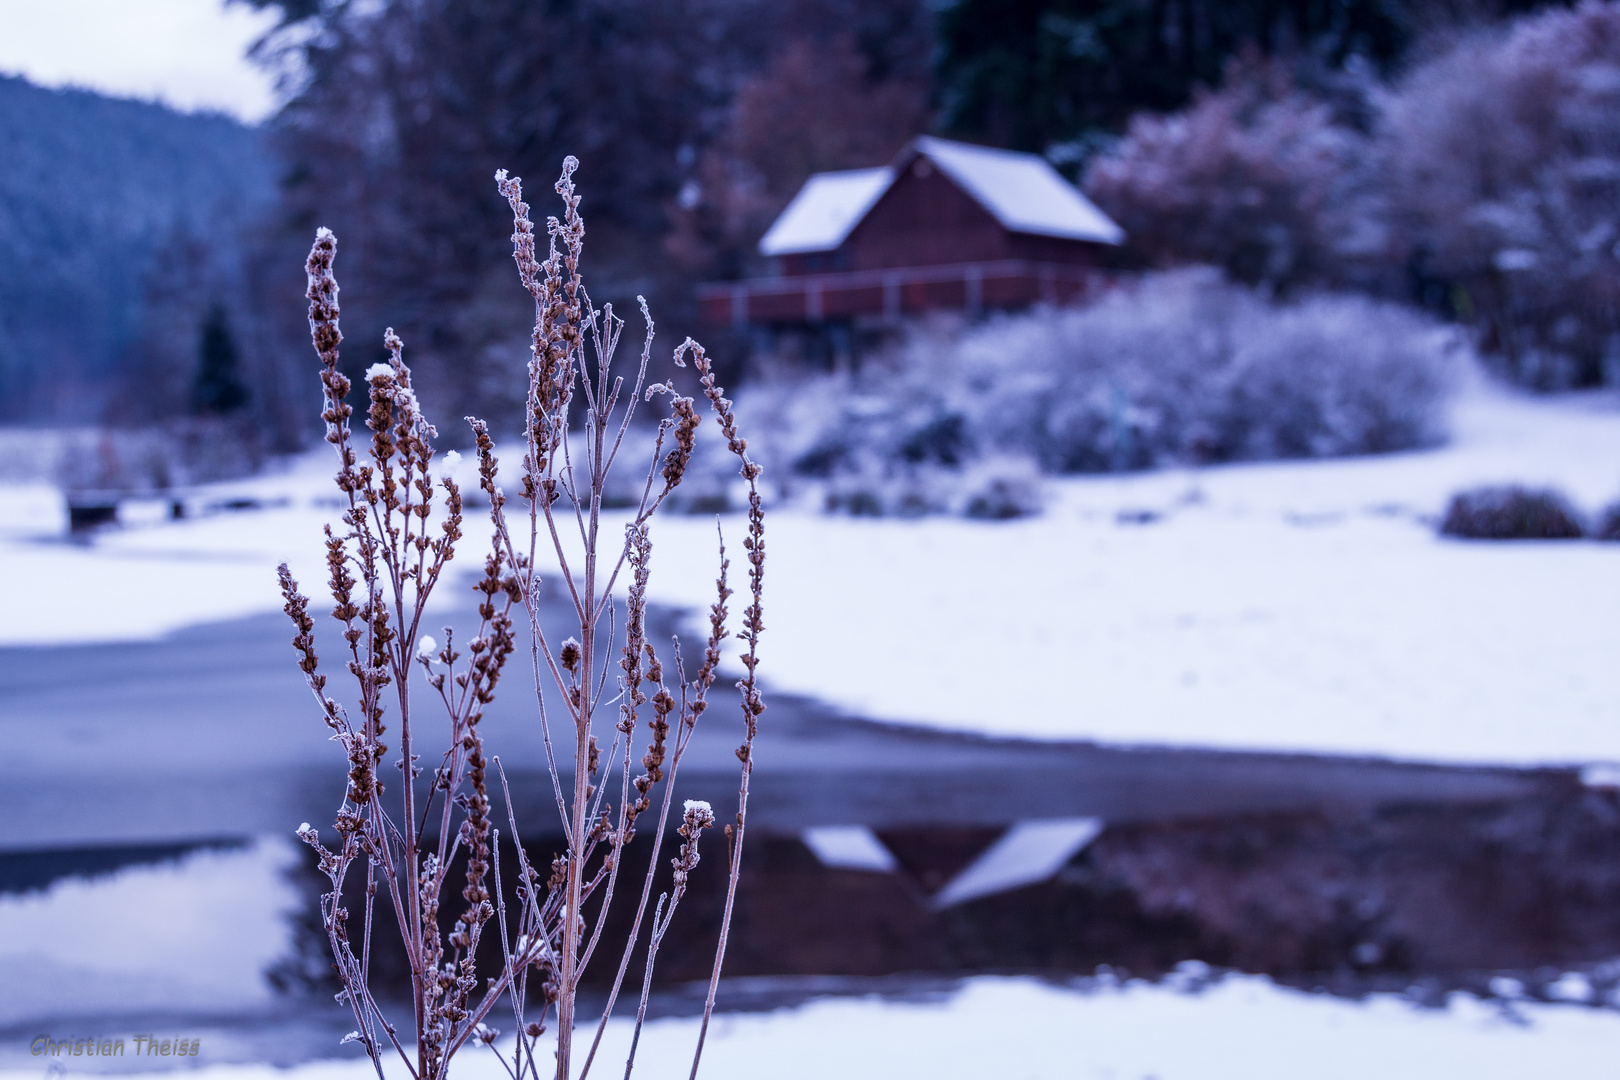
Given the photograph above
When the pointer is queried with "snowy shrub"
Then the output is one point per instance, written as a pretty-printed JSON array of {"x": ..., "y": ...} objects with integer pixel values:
[
  {"x": 1330, "y": 376},
  {"x": 1001, "y": 488},
  {"x": 1511, "y": 513},
  {"x": 194, "y": 450},
  {"x": 1257, "y": 178},
  {"x": 109, "y": 459},
  {"x": 1185, "y": 367},
  {"x": 868, "y": 487},
  {"x": 1504, "y": 175},
  {"x": 706, "y": 486},
  {"x": 997, "y": 489},
  {"x": 1180, "y": 367}
]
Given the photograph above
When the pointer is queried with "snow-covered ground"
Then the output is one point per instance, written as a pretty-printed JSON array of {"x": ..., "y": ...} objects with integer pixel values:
[
  {"x": 1300, "y": 606},
  {"x": 1303, "y": 606},
  {"x": 1237, "y": 1028}
]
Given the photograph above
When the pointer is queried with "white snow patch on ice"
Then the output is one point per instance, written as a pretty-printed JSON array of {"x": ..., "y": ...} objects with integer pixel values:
[{"x": 1028, "y": 853}]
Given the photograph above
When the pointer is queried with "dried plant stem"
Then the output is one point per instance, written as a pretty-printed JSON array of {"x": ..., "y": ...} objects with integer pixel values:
[{"x": 383, "y": 562}]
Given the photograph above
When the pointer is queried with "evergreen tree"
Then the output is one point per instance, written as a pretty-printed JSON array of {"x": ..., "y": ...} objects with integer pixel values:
[{"x": 216, "y": 389}]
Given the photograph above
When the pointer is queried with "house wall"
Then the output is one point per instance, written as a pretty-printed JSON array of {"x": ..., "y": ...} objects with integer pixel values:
[{"x": 1053, "y": 249}]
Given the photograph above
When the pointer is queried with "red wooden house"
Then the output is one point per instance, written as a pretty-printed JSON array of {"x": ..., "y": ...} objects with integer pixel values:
[{"x": 946, "y": 226}]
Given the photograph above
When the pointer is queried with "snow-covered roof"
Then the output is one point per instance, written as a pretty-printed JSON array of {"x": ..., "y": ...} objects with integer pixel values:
[
  {"x": 824, "y": 211},
  {"x": 1021, "y": 191}
]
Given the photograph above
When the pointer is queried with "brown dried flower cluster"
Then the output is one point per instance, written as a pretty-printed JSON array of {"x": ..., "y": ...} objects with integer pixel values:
[{"x": 399, "y": 528}]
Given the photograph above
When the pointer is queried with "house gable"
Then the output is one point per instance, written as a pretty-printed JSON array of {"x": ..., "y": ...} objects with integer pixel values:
[{"x": 925, "y": 219}]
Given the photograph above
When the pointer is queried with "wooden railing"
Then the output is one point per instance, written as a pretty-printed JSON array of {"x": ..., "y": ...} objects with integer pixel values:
[{"x": 893, "y": 293}]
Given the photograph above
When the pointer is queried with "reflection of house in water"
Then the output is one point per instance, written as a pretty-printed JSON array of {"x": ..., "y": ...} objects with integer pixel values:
[{"x": 945, "y": 227}]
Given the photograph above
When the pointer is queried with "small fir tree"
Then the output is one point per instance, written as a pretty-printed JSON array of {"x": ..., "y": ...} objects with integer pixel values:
[{"x": 216, "y": 389}]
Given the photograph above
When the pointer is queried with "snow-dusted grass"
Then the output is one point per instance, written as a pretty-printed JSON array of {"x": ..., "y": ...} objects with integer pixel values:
[
  {"x": 1302, "y": 606},
  {"x": 1239, "y": 1028}
]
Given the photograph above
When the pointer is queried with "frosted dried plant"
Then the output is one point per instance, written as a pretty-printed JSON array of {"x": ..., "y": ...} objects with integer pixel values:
[{"x": 400, "y": 528}]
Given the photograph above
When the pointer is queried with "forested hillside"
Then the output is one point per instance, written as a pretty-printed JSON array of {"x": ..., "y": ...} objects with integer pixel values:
[{"x": 119, "y": 230}]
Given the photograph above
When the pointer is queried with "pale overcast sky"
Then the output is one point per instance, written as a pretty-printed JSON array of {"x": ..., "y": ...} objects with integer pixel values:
[{"x": 186, "y": 53}]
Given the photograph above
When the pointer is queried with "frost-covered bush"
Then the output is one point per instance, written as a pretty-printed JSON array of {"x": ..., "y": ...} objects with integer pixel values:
[
  {"x": 996, "y": 489},
  {"x": 1503, "y": 178},
  {"x": 869, "y": 487},
  {"x": 1179, "y": 367},
  {"x": 1000, "y": 488},
  {"x": 875, "y": 445},
  {"x": 1258, "y": 178},
  {"x": 1333, "y": 375},
  {"x": 1511, "y": 513},
  {"x": 1185, "y": 367}
]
